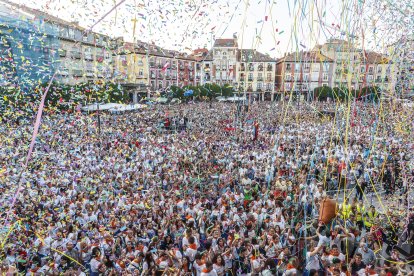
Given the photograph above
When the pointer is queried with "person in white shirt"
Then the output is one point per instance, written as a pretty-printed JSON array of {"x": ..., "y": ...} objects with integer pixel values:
[{"x": 208, "y": 270}]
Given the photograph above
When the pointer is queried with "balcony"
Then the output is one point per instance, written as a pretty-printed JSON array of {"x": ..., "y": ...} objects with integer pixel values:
[
  {"x": 76, "y": 55},
  {"x": 250, "y": 79},
  {"x": 88, "y": 56},
  {"x": 259, "y": 79},
  {"x": 168, "y": 77},
  {"x": 62, "y": 53},
  {"x": 77, "y": 73},
  {"x": 64, "y": 72},
  {"x": 152, "y": 64}
]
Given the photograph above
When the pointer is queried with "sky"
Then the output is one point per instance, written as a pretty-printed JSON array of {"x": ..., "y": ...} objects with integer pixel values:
[{"x": 270, "y": 26}]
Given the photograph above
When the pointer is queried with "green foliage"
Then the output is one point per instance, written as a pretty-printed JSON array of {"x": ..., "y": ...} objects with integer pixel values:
[
  {"x": 227, "y": 90},
  {"x": 60, "y": 96},
  {"x": 344, "y": 94},
  {"x": 323, "y": 92}
]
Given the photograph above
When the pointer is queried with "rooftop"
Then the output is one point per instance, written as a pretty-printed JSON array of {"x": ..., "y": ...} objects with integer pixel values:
[
  {"x": 251, "y": 55},
  {"x": 307, "y": 56},
  {"x": 225, "y": 42}
]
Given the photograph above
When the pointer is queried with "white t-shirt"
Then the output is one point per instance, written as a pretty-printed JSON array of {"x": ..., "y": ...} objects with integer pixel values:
[
  {"x": 312, "y": 262},
  {"x": 95, "y": 265},
  {"x": 211, "y": 273}
]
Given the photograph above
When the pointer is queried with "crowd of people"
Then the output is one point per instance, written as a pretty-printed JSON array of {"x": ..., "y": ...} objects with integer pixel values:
[{"x": 232, "y": 193}]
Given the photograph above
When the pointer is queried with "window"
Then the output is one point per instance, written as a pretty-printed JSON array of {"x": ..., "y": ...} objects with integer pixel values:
[
  {"x": 269, "y": 77},
  {"x": 260, "y": 67},
  {"x": 259, "y": 77},
  {"x": 325, "y": 85},
  {"x": 379, "y": 70},
  {"x": 71, "y": 33},
  {"x": 288, "y": 77},
  {"x": 305, "y": 77},
  {"x": 288, "y": 67},
  {"x": 297, "y": 67},
  {"x": 370, "y": 70},
  {"x": 259, "y": 86},
  {"x": 250, "y": 77},
  {"x": 269, "y": 67},
  {"x": 307, "y": 67},
  {"x": 268, "y": 86},
  {"x": 251, "y": 67},
  {"x": 362, "y": 69},
  {"x": 325, "y": 76},
  {"x": 315, "y": 67},
  {"x": 123, "y": 60},
  {"x": 141, "y": 72}
]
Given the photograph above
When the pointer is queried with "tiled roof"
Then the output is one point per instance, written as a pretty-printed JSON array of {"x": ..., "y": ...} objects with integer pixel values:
[
  {"x": 375, "y": 58},
  {"x": 225, "y": 42},
  {"x": 307, "y": 56},
  {"x": 251, "y": 55}
]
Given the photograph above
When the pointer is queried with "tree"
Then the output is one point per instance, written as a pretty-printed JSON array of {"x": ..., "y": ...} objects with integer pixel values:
[
  {"x": 227, "y": 90},
  {"x": 323, "y": 92},
  {"x": 177, "y": 92}
]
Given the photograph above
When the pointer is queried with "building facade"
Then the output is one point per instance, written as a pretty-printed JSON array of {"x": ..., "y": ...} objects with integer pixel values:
[
  {"x": 255, "y": 74},
  {"x": 224, "y": 60},
  {"x": 302, "y": 72}
]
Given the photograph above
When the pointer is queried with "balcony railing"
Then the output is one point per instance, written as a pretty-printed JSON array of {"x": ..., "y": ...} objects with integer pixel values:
[
  {"x": 259, "y": 79},
  {"x": 62, "y": 53},
  {"x": 88, "y": 57},
  {"x": 77, "y": 73},
  {"x": 250, "y": 79},
  {"x": 76, "y": 55}
]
